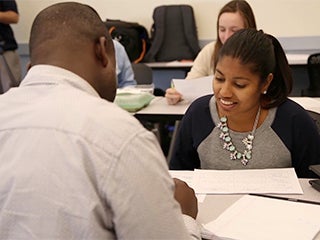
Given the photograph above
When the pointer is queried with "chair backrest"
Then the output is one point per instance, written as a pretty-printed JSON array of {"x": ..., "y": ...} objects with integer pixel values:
[
  {"x": 313, "y": 89},
  {"x": 316, "y": 117},
  {"x": 314, "y": 70},
  {"x": 142, "y": 73}
]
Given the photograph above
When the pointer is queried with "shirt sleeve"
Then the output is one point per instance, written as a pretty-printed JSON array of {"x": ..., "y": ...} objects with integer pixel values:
[
  {"x": 142, "y": 198},
  {"x": 185, "y": 155},
  {"x": 125, "y": 73},
  {"x": 193, "y": 226},
  {"x": 195, "y": 126},
  {"x": 306, "y": 142},
  {"x": 299, "y": 133},
  {"x": 202, "y": 65},
  {"x": 9, "y": 5}
]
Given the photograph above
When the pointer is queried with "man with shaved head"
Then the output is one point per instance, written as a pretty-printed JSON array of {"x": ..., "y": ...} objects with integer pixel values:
[{"x": 72, "y": 164}]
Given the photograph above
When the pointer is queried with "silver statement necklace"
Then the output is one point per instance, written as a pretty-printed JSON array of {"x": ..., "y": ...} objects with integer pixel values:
[{"x": 247, "y": 141}]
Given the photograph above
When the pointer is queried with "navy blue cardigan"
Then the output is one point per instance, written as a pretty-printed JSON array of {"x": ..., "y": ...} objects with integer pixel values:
[{"x": 292, "y": 124}]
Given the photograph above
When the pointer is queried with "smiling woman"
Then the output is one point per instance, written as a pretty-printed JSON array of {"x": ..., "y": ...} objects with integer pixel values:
[{"x": 249, "y": 123}]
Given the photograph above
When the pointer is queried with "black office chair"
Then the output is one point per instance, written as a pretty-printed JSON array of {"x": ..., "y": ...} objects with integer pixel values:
[
  {"x": 142, "y": 73},
  {"x": 316, "y": 117},
  {"x": 13, "y": 81},
  {"x": 314, "y": 76}
]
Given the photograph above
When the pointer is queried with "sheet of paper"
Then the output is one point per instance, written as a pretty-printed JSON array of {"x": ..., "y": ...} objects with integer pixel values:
[
  {"x": 308, "y": 103},
  {"x": 193, "y": 88},
  {"x": 277, "y": 181},
  {"x": 262, "y": 218},
  {"x": 187, "y": 176}
]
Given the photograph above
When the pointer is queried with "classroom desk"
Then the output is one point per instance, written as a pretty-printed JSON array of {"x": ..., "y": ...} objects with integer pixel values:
[
  {"x": 298, "y": 64},
  {"x": 164, "y": 72},
  {"x": 297, "y": 59},
  {"x": 214, "y": 205},
  {"x": 159, "y": 110},
  {"x": 293, "y": 59},
  {"x": 185, "y": 65}
]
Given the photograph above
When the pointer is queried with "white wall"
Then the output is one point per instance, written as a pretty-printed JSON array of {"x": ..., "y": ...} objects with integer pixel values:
[{"x": 282, "y": 18}]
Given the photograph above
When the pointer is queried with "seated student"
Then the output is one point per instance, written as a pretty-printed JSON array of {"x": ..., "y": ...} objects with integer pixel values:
[
  {"x": 10, "y": 68},
  {"x": 249, "y": 123},
  {"x": 73, "y": 165},
  {"x": 235, "y": 15},
  {"x": 125, "y": 74}
]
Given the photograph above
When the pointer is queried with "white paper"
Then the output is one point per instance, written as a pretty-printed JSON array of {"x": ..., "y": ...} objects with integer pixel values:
[
  {"x": 308, "y": 103},
  {"x": 252, "y": 218},
  {"x": 276, "y": 180},
  {"x": 187, "y": 176},
  {"x": 193, "y": 88}
]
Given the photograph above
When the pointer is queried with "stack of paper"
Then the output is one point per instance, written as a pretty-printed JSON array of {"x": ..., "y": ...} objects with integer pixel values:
[
  {"x": 252, "y": 218},
  {"x": 276, "y": 181}
]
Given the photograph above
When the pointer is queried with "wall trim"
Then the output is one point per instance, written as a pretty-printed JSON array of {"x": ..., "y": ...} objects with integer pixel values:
[{"x": 309, "y": 44}]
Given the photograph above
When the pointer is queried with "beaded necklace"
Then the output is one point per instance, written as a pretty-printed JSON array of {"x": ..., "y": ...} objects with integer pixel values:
[{"x": 247, "y": 141}]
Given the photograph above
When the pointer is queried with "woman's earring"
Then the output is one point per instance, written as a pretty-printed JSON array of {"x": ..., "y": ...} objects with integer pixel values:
[{"x": 265, "y": 92}]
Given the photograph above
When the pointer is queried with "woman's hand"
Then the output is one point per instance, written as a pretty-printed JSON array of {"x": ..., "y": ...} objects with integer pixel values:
[{"x": 173, "y": 96}]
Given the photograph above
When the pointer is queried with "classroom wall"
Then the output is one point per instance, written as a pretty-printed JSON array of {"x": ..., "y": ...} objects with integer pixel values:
[{"x": 282, "y": 18}]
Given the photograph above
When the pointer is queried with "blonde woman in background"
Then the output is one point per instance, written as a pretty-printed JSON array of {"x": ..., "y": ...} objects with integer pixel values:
[{"x": 233, "y": 16}]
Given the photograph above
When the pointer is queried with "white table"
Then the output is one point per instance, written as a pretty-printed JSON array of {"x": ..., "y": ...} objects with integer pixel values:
[
  {"x": 214, "y": 205},
  {"x": 297, "y": 59},
  {"x": 160, "y": 109},
  {"x": 173, "y": 64},
  {"x": 293, "y": 59}
]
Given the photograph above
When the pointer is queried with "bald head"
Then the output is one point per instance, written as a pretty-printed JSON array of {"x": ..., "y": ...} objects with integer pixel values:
[
  {"x": 72, "y": 36},
  {"x": 65, "y": 25}
]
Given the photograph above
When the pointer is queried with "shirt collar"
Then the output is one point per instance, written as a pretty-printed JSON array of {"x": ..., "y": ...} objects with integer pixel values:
[{"x": 52, "y": 75}]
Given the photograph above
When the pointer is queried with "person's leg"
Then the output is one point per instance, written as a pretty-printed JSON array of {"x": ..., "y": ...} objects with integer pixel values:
[{"x": 10, "y": 70}]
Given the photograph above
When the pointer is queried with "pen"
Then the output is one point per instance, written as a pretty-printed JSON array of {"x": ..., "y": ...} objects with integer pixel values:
[
  {"x": 172, "y": 84},
  {"x": 284, "y": 198}
]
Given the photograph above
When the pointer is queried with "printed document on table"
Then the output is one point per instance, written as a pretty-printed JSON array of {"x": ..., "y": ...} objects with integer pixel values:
[
  {"x": 193, "y": 88},
  {"x": 254, "y": 218},
  {"x": 273, "y": 181},
  {"x": 186, "y": 176}
]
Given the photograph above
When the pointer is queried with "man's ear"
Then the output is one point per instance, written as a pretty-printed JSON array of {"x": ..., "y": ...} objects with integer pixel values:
[
  {"x": 101, "y": 51},
  {"x": 28, "y": 66}
]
